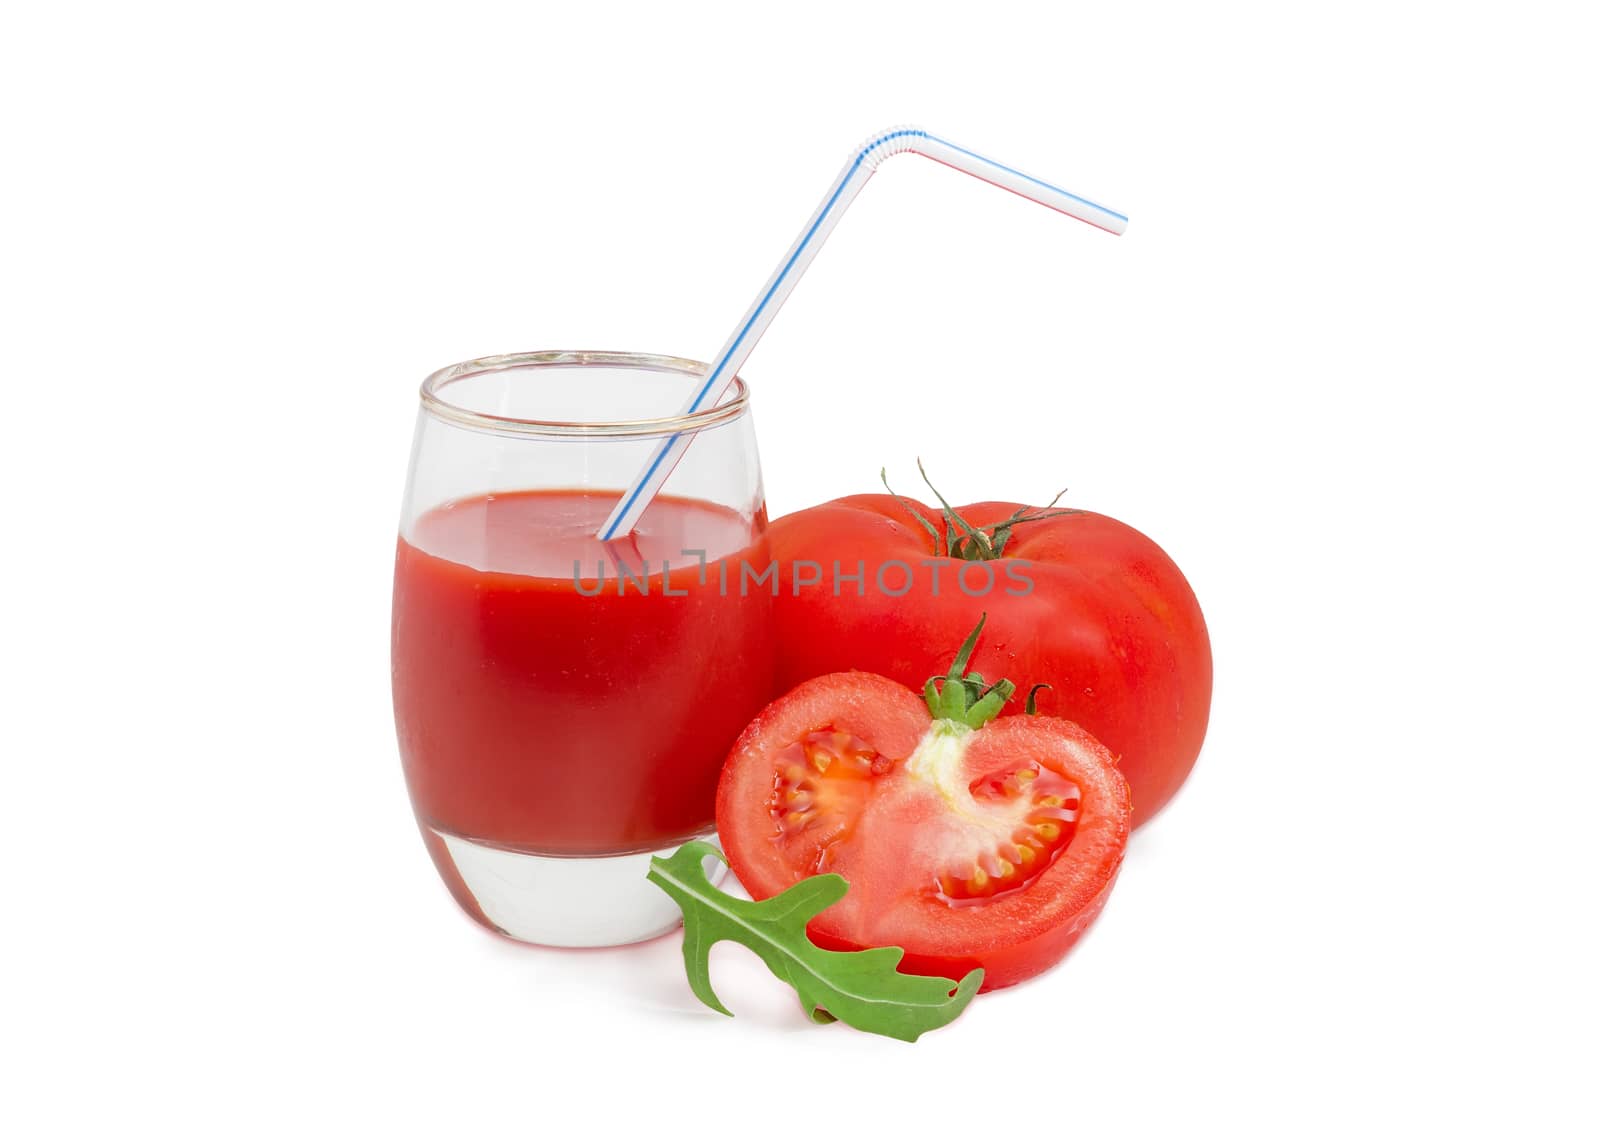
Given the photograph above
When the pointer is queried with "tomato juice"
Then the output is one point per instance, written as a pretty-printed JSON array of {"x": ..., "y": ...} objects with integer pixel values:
[{"x": 546, "y": 704}]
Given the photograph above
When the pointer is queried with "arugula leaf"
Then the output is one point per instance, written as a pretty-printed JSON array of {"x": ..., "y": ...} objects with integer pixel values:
[{"x": 861, "y": 988}]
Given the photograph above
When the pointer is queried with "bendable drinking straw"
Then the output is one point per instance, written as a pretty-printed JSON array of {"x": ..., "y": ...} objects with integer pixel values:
[{"x": 857, "y": 170}]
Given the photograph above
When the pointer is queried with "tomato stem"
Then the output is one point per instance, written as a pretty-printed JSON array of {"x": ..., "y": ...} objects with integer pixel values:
[
  {"x": 883, "y": 476},
  {"x": 961, "y": 539},
  {"x": 964, "y": 697}
]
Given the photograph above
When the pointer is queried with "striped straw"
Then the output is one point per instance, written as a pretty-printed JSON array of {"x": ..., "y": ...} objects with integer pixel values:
[{"x": 857, "y": 170}]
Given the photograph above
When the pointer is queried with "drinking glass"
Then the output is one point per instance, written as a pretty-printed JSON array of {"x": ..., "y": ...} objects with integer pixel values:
[{"x": 563, "y": 704}]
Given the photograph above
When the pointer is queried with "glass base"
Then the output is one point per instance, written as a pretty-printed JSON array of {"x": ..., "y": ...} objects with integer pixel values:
[{"x": 563, "y": 901}]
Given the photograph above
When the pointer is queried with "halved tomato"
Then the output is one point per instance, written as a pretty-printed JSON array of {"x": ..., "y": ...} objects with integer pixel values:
[{"x": 968, "y": 843}]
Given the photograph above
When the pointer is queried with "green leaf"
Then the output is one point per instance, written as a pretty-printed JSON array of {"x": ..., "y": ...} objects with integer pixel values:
[{"x": 860, "y": 988}]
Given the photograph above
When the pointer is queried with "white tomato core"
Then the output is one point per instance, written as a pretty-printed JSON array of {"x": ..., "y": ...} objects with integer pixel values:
[{"x": 986, "y": 831}]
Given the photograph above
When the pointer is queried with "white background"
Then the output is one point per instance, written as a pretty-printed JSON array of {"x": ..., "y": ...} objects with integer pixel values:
[{"x": 1341, "y": 366}]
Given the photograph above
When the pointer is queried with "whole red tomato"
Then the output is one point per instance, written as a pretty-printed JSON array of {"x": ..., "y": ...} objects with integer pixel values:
[{"x": 1076, "y": 600}]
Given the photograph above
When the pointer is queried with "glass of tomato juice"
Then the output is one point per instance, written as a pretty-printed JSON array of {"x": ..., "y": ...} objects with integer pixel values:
[{"x": 563, "y": 704}]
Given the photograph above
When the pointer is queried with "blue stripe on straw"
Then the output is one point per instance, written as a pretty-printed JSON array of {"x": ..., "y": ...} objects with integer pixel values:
[
  {"x": 1029, "y": 178},
  {"x": 805, "y": 240},
  {"x": 777, "y": 281},
  {"x": 639, "y": 488}
]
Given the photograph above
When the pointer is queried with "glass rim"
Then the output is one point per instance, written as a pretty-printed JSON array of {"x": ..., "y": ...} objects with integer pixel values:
[{"x": 730, "y": 408}]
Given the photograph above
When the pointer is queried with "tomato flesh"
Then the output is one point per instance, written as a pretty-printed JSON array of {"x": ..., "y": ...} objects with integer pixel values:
[{"x": 992, "y": 848}]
